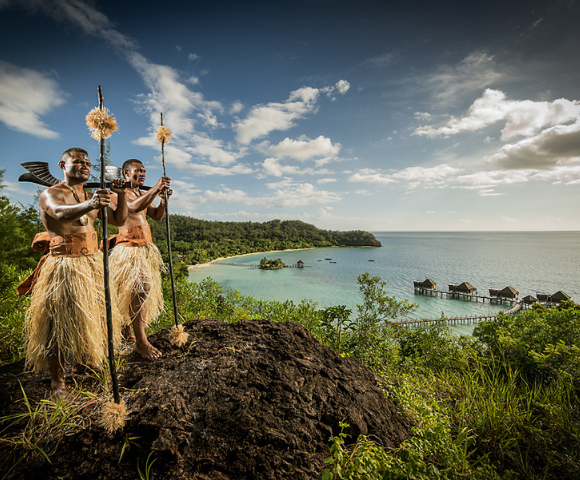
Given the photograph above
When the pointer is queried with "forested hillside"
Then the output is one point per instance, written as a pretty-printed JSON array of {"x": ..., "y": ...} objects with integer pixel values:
[{"x": 197, "y": 241}]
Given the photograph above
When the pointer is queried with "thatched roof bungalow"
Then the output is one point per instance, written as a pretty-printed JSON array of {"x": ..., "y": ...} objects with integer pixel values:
[
  {"x": 300, "y": 264},
  {"x": 529, "y": 299},
  {"x": 560, "y": 296},
  {"x": 509, "y": 292},
  {"x": 494, "y": 292},
  {"x": 465, "y": 287},
  {"x": 429, "y": 284},
  {"x": 543, "y": 297}
]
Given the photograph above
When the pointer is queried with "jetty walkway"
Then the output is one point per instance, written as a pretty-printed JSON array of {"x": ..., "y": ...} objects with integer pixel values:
[{"x": 461, "y": 320}]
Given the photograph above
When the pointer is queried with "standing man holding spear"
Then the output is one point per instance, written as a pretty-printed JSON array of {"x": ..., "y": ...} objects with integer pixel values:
[
  {"x": 67, "y": 317},
  {"x": 136, "y": 261}
]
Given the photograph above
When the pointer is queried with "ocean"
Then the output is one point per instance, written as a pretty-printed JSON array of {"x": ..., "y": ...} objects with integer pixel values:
[{"x": 530, "y": 262}]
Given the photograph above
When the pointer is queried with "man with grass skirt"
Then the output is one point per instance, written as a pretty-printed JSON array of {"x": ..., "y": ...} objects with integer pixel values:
[
  {"x": 67, "y": 318},
  {"x": 136, "y": 262}
]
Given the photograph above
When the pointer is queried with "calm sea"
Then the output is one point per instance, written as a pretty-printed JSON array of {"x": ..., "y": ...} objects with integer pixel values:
[{"x": 530, "y": 262}]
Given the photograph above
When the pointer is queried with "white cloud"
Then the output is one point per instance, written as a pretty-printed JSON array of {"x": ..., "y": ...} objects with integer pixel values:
[
  {"x": 305, "y": 149},
  {"x": 342, "y": 86},
  {"x": 415, "y": 176},
  {"x": 324, "y": 181},
  {"x": 522, "y": 118},
  {"x": 264, "y": 119},
  {"x": 554, "y": 146},
  {"x": 25, "y": 96},
  {"x": 286, "y": 195},
  {"x": 273, "y": 167},
  {"x": 236, "y": 108}
]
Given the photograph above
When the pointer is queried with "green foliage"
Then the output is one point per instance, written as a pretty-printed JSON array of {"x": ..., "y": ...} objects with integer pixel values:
[
  {"x": 199, "y": 241},
  {"x": 371, "y": 335},
  {"x": 543, "y": 344},
  {"x": 271, "y": 264}
]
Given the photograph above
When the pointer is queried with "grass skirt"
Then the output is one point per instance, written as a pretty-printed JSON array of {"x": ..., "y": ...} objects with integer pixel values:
[
  {"x": 68, "y": 313},
  {"x": 133, "y": 269}
]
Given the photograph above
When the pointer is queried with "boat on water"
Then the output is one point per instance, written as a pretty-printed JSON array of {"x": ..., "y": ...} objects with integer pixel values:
[
  {"x": 332, "y": 262},
  {"x": 328, "y": 259}
]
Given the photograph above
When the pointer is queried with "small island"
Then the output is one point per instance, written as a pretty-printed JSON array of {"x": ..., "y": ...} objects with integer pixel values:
[{"x": 269, "y": 264}]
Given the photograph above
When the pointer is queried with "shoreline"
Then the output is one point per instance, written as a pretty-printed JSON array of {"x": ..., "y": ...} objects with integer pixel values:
[{"x": 208, "y": 264}]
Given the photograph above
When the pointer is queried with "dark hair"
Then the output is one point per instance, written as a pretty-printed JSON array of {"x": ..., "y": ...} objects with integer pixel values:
[
  {"x": 128, "y": 163},
  {"x": 67, "y": 153}
]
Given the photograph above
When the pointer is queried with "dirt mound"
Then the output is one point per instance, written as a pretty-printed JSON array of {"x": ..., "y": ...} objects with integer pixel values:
[{"x": 253, "y": 399}]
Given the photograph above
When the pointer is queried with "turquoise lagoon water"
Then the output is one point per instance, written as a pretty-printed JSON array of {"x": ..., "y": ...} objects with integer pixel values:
[{"x": 531, "y": 262}]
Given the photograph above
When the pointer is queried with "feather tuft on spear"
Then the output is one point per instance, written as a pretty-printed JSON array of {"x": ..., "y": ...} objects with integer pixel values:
[
  {"x": 114, "y": 416},
  {"x": 101, "y": 124},
  {"x": 178, "y": 335},
  {"x": 163, "y": 134}
]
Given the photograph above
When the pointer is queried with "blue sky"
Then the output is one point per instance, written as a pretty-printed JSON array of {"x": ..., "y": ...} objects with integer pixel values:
[{"x": 375, "y": 115}]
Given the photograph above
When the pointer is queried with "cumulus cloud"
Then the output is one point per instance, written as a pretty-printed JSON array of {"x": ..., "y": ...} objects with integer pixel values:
[
  {"x": 264, "y": 119},
  {"x": 25, "y": 96},
  {"x": 236, "y": 108},
  {"x": 522, "y": 118},
  {"x": 558, "y": 145},
  {"x": 304, "y": 149}
]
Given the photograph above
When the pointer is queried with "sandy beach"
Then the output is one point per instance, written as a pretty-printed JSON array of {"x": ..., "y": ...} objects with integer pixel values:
[{"x": 207, "y": 264}]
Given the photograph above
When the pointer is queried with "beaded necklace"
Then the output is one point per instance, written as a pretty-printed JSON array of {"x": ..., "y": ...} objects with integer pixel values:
[{"x": 84, "y": 219}]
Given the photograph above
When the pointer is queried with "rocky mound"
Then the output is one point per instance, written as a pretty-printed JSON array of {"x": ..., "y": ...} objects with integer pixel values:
[{"x": 249, "y": 400}]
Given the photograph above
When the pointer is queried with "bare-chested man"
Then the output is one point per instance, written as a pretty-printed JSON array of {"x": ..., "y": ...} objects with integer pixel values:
[
  {"x": 67, "y": 316},
  {"x": 136, "y": 262}
]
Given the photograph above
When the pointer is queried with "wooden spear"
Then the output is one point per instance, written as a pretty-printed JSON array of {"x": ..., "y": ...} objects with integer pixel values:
[
  {"x": 114, "y": 413},
  {"x": 179, "y": 336},
  {"x": 106, "y": 268}
]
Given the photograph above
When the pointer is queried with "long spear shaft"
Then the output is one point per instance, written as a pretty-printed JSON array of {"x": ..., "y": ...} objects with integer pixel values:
[
  {"x": 106, "y": 272},
  {"x": 168, "y": 233}
]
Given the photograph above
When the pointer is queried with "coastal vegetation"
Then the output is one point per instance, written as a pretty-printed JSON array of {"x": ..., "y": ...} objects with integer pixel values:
[
  {"x": 196, "y": 241},
  {"x": 271, "y": 264},
  {"x": 501, "y": 404}
]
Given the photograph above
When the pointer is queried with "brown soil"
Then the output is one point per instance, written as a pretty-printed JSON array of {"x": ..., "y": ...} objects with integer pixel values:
[{"x": 248, "y": 400}]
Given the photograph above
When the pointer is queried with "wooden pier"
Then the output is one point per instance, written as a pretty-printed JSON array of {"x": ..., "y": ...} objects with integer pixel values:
[
  {"x": 464, "y": 295},
  {"x": 460, "y": 320}
]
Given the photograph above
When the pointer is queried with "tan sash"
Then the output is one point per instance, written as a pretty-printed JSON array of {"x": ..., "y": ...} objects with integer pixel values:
[
  {"x": 136, "y": 236},
  {"x": 70, "y": 245}
]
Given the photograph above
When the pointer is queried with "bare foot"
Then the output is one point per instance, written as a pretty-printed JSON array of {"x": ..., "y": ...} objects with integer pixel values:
[
  {"x": 147, "y": 351},
  {"x": 128, "y": 336},
  {"x": 80, "y": 368},
  {"x": 59, "y": 391}
]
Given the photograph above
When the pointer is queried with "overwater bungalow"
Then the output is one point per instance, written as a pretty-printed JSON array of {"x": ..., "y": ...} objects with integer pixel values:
[
  {"x": 560, "y": 296},
  {"x": 509, "y": 292},
  {"x": 464, "y": 287},
  {"x": 300, "y": 264},
  {"x": 529, "y": 299},
  {"x": 428, "y": 284},
  {"x": 543, "y": 297}
]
